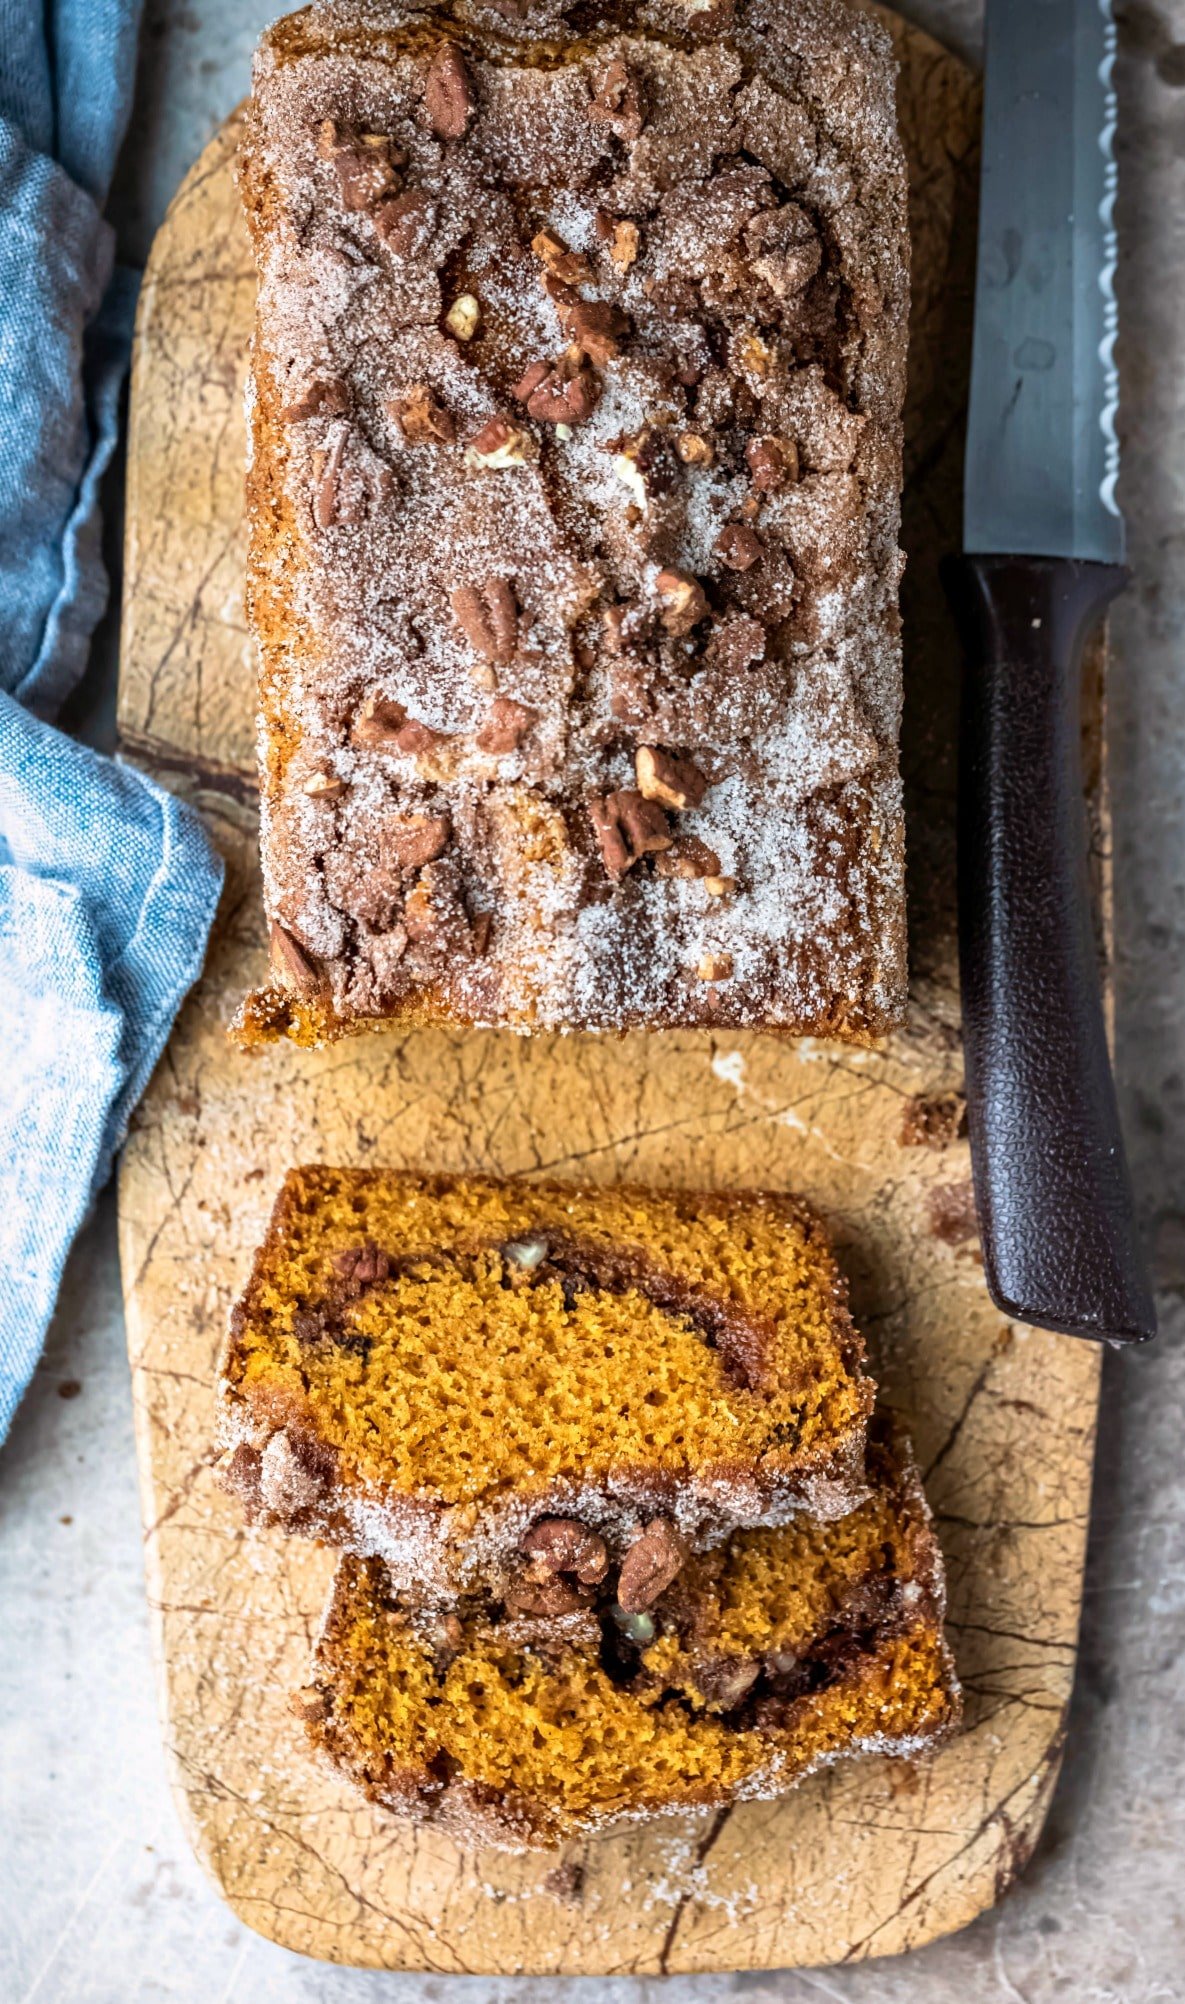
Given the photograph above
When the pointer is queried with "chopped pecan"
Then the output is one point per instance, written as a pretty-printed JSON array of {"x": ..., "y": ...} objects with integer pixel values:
[
  {"x": 321, "y": 399},
  {"x": 448, "y": 93},
  {"x": 528, "y": 383},
  {"x": 480, "y": 930},
  {"x": 565, "y": 1545},
  {"x": 414, "y": 738},
  {"x": 365, "y": 174},
  {"x": 628, "y": 827},
  {"x": 434, "y": 914},
  {"x": 694, "y": 449},
  {"x": 558, "y": 261},
  {"x": 650, "y": 1565},
  {"x": 676, "y": 782},
  {"x": 617, "y": 102},
  {"x": 501, "y": 443},
  {"x": 773, "y": 463},
  {"x": 625, "y": 245},
  {"x": 643, "y": 823},
  {"x": 422, "y": 418},
  {"x": 506, "y": 725},
  {"x": 596, "y": 326},
  {"x": 689, "y": 858},
  {"x": 725, "y": 1680},
  {"x": 464, "y": 316},
  {"x": 714, "y": 967},
  {"x": 488, "y": 617},
  {"x": 291, "y": 963},
  {"x": 406, "y": 222},
  {"x": 362, "y": 1266},
  {"x": 378, "y": 724},
  {"x": 415, "y": 839},
  {"x": 683, "y": 601},
  {"x": 739, "y": 547},
  {"x": 620, "y": 236},
  {"x": 565, "y": 393},
  {"x": 323, "y": 786},
  {"x": 546, "y": 1594},
  {"x": 640, "y": 461}
]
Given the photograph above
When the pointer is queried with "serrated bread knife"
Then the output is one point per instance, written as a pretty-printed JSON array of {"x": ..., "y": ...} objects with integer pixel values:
[{"x": 1043, "y": 538}]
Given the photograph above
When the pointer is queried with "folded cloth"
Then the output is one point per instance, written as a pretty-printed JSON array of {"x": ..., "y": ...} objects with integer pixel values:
[{"x": 107, "y": 885}]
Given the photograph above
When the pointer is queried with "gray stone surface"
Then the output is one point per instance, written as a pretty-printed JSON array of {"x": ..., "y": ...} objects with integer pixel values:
[{"x": 101, "y": 1901}]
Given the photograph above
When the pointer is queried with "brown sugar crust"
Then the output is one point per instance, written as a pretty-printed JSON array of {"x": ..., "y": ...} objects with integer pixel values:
[
  {"x": 574, "y": 496},
  {"x": 425, "y": 1368},
  {"x": 786, "y": 1649}
]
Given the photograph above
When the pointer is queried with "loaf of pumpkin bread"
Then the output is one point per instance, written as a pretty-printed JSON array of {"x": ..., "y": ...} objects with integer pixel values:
[{"x": 575, "y": 417}]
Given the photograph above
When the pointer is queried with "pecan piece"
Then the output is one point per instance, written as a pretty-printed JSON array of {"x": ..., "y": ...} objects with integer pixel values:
[
  {"x": 547, "y": 1595},
  {"x": 323, "y": 786},
  {"x": 506, "y": 725},
  {"x": 321, "y": 399},
  {"x": 676, "y": 782},
  {"x": 378, "y": 724},
  {"x": 488, "y": 617},
  {"x": 738, "y": 547},
  {"x": 617, "y": 102},
  {"x": 415, "y": 839},
  {"x": 693, "y": 449},
  {"x": 773, "y": 463},
  {"x": 689, "y": 858},
  {"x": 595, "y": 326},
  {"x": 406, "y": 222},
  {"x": 650, "y": 1565},
  {"x": 479, "y": 934},
  {"x": 464, "y": 316},
  {"x": 448, "y": 93},
  {"x": 628, "y": 827},
  {"x": 291, "y": 964},
  {"x": 558, "y": 261},
  {"x": 422, "y": 418},
  {"x": 714, "y": 967},
  {"x": 565, "y": 1545},
  {"x": 501, "y": 443},
  {"x": 725, "y": 1680},
  {"x": 564, "y": 394},
  {"x": 365, "y": 174},
  {"x": 362, "y": 1266},
  {"x": 683, "y": 601}
]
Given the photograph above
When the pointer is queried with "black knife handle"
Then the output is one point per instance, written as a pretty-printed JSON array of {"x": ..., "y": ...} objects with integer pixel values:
[{"x": 1051, "y": 1184}]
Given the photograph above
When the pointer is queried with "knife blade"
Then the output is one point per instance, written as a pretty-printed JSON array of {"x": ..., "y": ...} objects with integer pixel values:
[{"x": 1043, "y": 537}]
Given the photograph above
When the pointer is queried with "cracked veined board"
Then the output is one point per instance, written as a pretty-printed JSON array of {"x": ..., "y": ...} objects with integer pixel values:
[{"x": 865, "y": 1860}]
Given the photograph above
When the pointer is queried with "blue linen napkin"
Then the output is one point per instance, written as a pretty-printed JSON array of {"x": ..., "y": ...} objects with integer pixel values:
[{"x": 108, "y": 886}]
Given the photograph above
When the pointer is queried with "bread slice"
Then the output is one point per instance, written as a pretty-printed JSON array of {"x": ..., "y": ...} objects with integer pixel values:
[
  {"x": 423, "y": 1367},
  {"x": 574, "y": 493},
  {"x": 763, "y": 1659}
]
